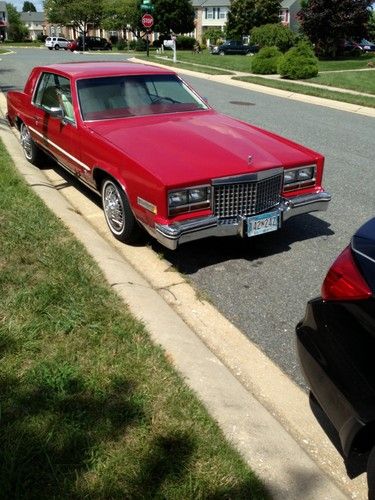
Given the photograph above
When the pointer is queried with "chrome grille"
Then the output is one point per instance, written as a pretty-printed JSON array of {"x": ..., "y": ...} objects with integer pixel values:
[{"x": 246, "y": 198}]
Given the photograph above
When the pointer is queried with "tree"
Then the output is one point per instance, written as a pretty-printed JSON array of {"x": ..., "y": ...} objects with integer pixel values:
[
  {"x": 174, "y": 15},
  {"x": 120, "y": 15},
  {"x": 328, "y": 23},
  {"x": 214, "y": 35},
  {"x": 371, "y": 26},
  {"x": 28, "y": 7},
  {"x": 273, "y": 35},
  {"x": 246, "y": 14},
  {"x": 79, "y": 13},
  {"x": 17, "y": 30}
]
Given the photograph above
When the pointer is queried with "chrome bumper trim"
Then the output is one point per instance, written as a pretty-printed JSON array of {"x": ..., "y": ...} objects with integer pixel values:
[{"x": 194, "y": 229}]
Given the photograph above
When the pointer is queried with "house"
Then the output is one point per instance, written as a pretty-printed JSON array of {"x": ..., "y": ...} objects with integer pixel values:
[
  {"x": 35, "y": 23},
  {"x": 288, "y": 13},
  {"x": 3, "y": 21},
  {"x": 210, "y": 14}
]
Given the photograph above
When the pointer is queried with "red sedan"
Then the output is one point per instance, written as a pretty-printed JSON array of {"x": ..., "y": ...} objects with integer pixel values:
[{"x": 160, "y": 157}]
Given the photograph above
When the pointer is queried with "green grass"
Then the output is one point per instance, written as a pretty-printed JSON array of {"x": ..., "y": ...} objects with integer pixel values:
[
  {"x": 205, "y": 59},
  {"x": 313, "y": 91},
  {"x": 24, "y": 44},
  {"x": 361, "y": 81},
  {"x": 196, "y": 66},
  {"x": 352, "y": 80},
  {"x": 89, "y": 407},
  {"x": 345, "y": 64}
]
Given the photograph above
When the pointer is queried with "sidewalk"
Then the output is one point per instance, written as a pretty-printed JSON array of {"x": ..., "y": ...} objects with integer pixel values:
[{"x": 244, "y": 391}]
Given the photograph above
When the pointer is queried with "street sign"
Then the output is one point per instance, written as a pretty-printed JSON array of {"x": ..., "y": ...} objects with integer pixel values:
[
  {"x": 147, "y": 20},
  {"x": 147, "y": 7},
  {"x": 146, "y": 2}
]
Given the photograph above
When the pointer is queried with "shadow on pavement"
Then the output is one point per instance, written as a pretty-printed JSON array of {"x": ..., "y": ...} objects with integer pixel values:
[{"x": 191, "y": 257}]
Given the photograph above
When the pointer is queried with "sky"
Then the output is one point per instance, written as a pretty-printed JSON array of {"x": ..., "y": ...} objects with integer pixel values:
[
  {"x": 19, "y": 3},
  {"x": 39, "y": 4}
]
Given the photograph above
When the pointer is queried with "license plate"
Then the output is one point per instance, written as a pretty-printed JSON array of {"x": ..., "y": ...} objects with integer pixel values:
[{"x": 263, "y": 223}]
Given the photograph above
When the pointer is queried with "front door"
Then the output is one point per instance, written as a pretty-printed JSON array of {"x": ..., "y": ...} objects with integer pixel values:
[{"x": 55, "y": 122}]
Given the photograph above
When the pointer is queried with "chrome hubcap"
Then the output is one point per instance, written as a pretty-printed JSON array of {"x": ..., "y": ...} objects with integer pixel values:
[
  {"x": 26, "y": 142},
  {"x": 113, "y": 208}
]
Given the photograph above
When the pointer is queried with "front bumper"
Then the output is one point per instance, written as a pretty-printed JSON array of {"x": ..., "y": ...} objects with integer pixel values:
[{"x": 194, "y": 229}]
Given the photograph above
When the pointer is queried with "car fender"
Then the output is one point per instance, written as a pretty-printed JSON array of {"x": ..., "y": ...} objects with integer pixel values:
[{"x": 130, "y": 185}]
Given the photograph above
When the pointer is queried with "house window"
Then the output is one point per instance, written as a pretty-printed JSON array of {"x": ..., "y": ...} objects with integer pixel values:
[
  {"x": 284, "y": 16},
  {"x": 223, "y": 13},
  {"x": 209, "y": 13}
]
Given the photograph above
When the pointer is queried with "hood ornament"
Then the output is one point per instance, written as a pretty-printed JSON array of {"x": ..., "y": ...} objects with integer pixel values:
[{"x": 250, "y": 160}]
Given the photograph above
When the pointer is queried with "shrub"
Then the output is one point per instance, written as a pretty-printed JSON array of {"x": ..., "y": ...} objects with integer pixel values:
[
  {"x": 214, "y": 35},
  {"x": 140, "y": 45},
  {"x": 185, "y": 42},
  {"x": 121, "y": 44},
  {"x": 41, "y": 38},
  {"x": 299, "y": 62},
  {"x": 273, "y": 35},
  {"x": 265, "y": 61}
]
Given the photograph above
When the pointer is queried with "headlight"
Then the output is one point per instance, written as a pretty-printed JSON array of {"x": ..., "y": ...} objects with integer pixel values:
[
  {"x": 295, "y": 178},
  {"x": 187, "y": 200}
]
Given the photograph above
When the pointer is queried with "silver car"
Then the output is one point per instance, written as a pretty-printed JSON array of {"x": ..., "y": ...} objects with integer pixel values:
[{"x": 56, "y": 42}]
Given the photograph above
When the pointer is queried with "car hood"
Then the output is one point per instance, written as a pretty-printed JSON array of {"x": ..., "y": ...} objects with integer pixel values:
[{"x": 199, "y": 146}]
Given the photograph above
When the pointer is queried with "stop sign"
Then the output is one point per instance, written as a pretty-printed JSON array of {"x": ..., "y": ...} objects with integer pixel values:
[{"x": 147, "y": 20}]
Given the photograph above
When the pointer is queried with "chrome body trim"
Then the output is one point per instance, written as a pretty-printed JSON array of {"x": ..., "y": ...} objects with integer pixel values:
[
  {"x": 63, "y": 151},
  {"x": 172, "y": 235}
]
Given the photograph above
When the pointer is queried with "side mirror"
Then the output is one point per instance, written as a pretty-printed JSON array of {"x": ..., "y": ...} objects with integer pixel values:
[{"x": 56, "y": 112}]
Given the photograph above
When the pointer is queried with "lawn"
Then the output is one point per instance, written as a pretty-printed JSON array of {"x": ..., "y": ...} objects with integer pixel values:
[
  {"x": 89, "y": 407},
  {"x": 205, "y": 58},
  {"x": 293, "y": 86},
  {"x": 345, "y": 64},
  {"x": 361, "y": 81}
]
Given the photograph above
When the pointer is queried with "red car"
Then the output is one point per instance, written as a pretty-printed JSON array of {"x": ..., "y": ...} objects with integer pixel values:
[{"x": 162, "y": 159}]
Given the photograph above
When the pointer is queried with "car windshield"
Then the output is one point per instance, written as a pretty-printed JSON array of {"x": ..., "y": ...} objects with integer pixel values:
[{"x": 123, "y": 96}]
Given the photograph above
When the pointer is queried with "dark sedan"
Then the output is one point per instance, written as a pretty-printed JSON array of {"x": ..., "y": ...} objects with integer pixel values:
[
  {"x": 366, "y": 45},
  {"x": 336, "y": 346}
]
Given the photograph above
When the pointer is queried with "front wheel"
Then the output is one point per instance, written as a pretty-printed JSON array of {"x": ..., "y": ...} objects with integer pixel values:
[
  {"x": 118, "y": 214},
  {"x": 30, "y": 149},
  {"x": 57, "y": 47},
  {"x": 221, "y": 53},
  {"x": 371, "y": 475}
]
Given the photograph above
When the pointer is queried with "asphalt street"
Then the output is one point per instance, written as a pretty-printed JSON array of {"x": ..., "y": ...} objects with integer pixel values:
[{"x": 263, "y": 284}]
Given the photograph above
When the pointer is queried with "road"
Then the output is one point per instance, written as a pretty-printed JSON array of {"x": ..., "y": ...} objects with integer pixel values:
[{"x": 263, "y": 284}]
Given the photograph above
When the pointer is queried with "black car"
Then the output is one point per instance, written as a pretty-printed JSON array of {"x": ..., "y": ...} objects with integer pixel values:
[
  {"x": 336, "y": 346},
  {"x": 234, "y": 47},
  {"x": 366, "y": 45},
  {"x": 92, "y": 43}
]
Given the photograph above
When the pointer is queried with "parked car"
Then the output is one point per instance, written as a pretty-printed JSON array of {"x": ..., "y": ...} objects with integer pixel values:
[
  {"x": 234, "y": 47},
  {"x": 56, "y": 42},
  {"x": 336, "y": 346},
  {"x": 91, "y": 43},
  {"x": 366, "y": 45},
  {"x": 160, "y": 156},
  {"x": 350, "y": 47}
]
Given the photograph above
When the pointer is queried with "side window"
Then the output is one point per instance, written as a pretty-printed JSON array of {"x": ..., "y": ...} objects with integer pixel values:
[{"x": 54, "y": 92}]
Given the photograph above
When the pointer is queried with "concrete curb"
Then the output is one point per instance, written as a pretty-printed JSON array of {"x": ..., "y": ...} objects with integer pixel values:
[{"x": 160, "y": 302}]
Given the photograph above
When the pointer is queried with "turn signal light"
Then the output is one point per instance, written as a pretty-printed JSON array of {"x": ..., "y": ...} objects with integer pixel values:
[{"x": 344, "y": 281}]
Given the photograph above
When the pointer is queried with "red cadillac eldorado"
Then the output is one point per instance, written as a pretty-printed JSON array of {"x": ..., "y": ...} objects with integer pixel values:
[{"x": 160, "y": 157}]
